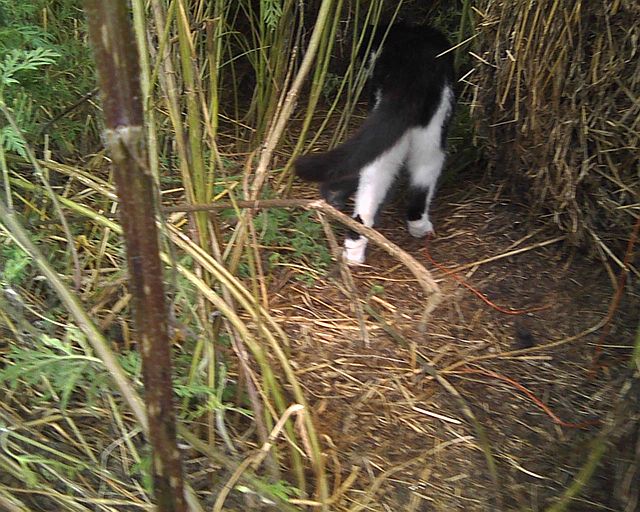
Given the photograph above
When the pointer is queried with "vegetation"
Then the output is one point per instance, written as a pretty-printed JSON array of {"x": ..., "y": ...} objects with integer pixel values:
[
  {"x": 233, "y": 90},
  {"x": 559, "y": 117},
  {"x": 46, "y": 69}
]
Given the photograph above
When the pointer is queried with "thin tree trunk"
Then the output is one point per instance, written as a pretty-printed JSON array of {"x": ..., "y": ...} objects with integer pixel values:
[{"x": 118, "y": 73}]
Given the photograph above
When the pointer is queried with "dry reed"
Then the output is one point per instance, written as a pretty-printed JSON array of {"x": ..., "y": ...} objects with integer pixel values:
[{"x": 557, "y": 91}]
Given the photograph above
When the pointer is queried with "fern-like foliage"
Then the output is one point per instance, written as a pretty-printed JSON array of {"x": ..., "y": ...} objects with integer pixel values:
[
  {"x": 51, "y": 65},
  {"x": 22, "y": 110},
  {"x": 14, "y": 64},
  {"x": 17, "y": 61},
  {"x": 57, "y": 368},
  {"x": 271, "y": 12},
  {"x": 15, "y": 263}
]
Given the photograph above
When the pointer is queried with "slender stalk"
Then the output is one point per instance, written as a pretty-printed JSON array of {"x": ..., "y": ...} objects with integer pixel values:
[
  {"x": 635, "y": 358},
  {"x": 5, "y": 179},
  {"x": 118, "y": 74},
  {"x": 291, "y": 97},
  {"x": 194, "y": 119},
  {"x": 47, "y": 186},
  {"x": 170, "y": 90},
  {"x": 147, "y": 86},
  {"x": 319, "y": 77}
]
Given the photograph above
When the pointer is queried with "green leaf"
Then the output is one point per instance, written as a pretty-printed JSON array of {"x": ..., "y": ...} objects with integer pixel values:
[{"x": 17, "y": 61}]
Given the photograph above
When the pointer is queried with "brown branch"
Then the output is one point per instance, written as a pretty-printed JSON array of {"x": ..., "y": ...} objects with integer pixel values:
[
  {"x": 350, "y": 287},
  {"x": 257, "y": 204}
]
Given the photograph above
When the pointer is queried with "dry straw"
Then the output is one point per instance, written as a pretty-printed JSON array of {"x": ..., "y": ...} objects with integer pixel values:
[{"x": 557, "y": 86}]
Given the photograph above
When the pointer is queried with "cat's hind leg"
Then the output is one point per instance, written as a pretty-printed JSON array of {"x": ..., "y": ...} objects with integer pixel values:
[
  {"x": 425, "y": 162},
  {"x": 375, "y": 180},
  {"x": 422, "y": 188}
]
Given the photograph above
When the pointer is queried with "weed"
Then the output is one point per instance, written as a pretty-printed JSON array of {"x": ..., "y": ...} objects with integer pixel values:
[
  {"x": 376, "y": 289},
  {"x": 49, "y": 66},
  {"x": 15, "y": 263},
  {"x": 271, "y": 12},
  {"x": 331, "y": 86},
  {"x": 293, "y": 238},
  {"x": 56, "y": 367},
  {"x": 280, "y": 489},
  {"x": 143, "y": 470}
]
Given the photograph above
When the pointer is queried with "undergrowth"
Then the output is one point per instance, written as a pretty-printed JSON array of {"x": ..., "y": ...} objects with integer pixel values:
[
  {"x": 293, "y": 239},
  {"x": 42, "y": 47},
  {"x": 208, "y": 115}
]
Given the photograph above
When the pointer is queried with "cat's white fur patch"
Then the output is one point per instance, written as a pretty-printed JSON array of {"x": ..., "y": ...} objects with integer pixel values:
[
  {"x": 354, "y": 250},
  {"x": 421, "y": 227},
  {"x": 376, "y": 179},
  {"x": 378, "y": 98},
  {"x": 426, "y": 159},
  {"x": 426, "y": 154}
]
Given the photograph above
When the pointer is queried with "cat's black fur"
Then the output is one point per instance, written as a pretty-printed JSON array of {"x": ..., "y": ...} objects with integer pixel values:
[{"x": 410, "y": 78}]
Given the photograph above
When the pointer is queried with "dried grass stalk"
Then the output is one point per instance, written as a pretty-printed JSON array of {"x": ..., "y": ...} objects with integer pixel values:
[{"x": 559, "y": 104}]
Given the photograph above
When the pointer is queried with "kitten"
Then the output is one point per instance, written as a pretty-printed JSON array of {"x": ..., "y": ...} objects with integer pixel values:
[{"x": 411, "y": 105}]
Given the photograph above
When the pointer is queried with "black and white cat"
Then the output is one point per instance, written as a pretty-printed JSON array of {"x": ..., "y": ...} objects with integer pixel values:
[{"x": 411, "y": 105}]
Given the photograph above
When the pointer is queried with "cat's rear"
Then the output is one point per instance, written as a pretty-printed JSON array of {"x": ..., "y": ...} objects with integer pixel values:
[{"x": 412, "y": 102}]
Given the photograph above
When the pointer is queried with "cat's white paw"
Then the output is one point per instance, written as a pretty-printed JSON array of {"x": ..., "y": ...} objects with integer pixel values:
[
  {"x": 354, "y": 250},
  {"x": 421, "y": 227}
]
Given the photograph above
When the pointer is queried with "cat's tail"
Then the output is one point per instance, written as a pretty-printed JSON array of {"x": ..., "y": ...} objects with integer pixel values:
[{"x": 384, "y": 126}]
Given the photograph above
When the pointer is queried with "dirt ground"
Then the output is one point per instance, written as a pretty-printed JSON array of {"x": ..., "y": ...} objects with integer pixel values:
[{"x": 527, "y": 381}]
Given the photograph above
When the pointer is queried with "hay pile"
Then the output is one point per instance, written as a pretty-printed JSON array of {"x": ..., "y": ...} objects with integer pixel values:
[{"x": 559, "y": 103}]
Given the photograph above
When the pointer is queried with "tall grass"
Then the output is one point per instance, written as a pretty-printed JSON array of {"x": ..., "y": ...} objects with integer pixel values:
[{"x": 231, "y": 92}]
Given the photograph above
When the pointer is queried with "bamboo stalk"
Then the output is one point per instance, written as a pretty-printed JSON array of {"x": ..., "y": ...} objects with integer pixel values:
[{"x": 118, "y": 74}]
